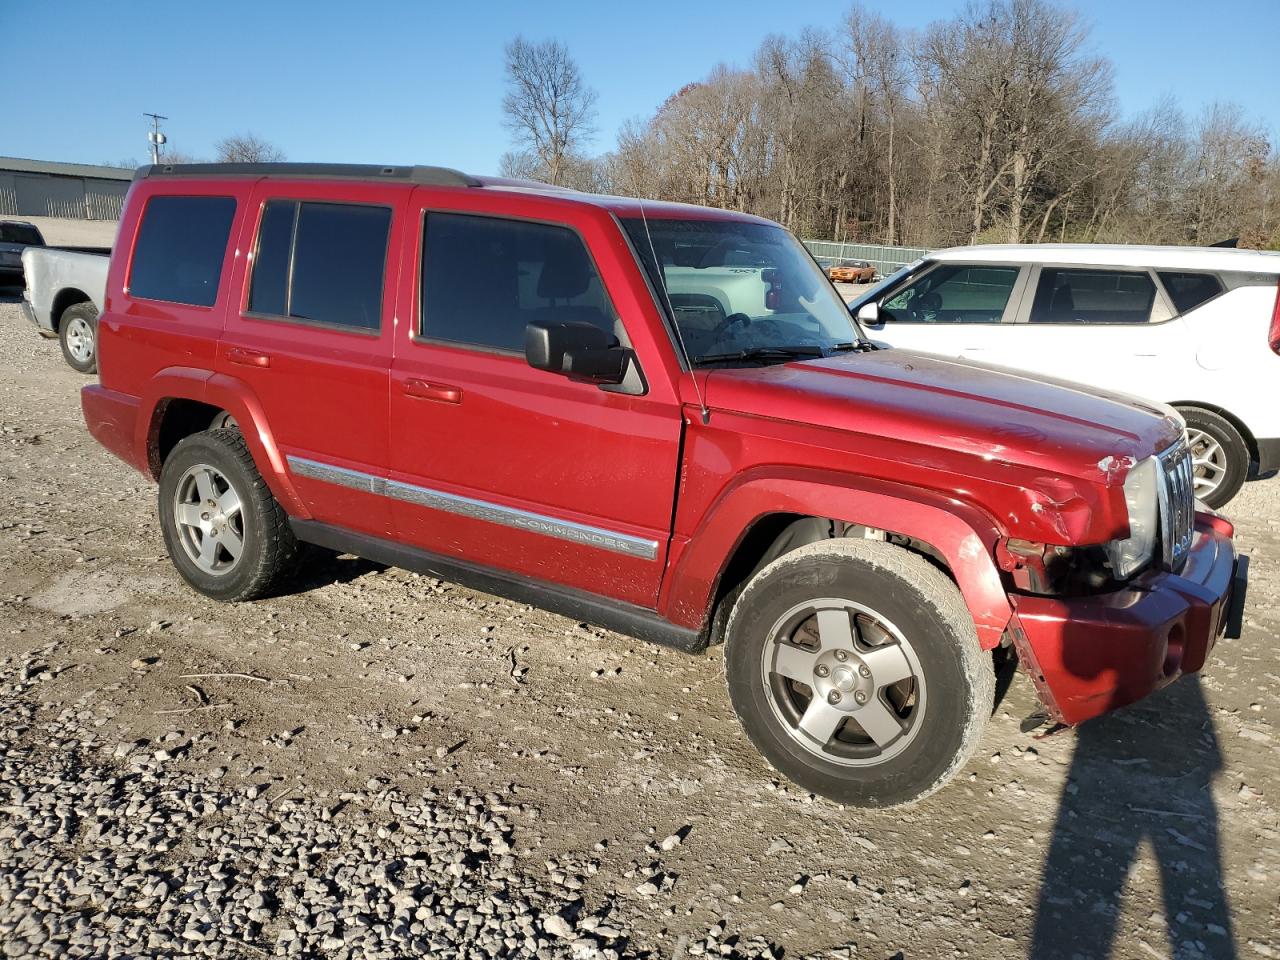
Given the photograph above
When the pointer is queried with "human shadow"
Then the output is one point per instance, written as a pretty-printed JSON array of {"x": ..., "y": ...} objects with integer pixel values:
[{"x": 1142, "y": 775}]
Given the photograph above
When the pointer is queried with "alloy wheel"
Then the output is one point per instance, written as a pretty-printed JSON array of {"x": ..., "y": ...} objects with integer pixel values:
[
  {"x": 1208, "y": 461},
  {"x": 844, "y": 682},
  {"x": 80, "y": 339},
  {"x": 209, "y": 517}
]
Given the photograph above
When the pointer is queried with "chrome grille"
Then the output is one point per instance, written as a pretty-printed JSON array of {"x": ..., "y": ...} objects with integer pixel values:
[{"x": 1177, "y": 504}]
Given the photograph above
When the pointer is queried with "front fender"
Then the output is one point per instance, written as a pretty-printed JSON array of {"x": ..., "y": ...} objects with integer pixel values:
[
  {"x": 229, "y": 394},
  {"x": 962, "y": 534}
]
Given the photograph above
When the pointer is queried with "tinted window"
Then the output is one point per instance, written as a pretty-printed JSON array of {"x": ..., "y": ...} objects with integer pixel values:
[
  {"x": 269, "y": 290},
  {"x": 1092, "y": 296},
  {"x": 20, "y": 233},
  {"x": 1189, "y": 290},
  {"x": 321, "y": 262},
  {"x": 180, "y": 247},
  {"x": 954, "y": 293},
  {"x": 485, "y": 279},
  {"x": 734, "y": 286}
]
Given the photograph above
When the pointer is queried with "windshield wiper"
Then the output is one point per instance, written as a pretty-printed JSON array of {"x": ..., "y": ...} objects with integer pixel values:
[
  {"x": 764, "y": 353},
  {"x": 861, "y": 345}
]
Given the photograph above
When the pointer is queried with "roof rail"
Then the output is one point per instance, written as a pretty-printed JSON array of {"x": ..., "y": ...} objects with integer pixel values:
[{"x": 426, "y": 176}]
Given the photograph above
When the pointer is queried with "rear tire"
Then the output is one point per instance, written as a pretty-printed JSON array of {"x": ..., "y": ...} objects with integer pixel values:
[
  {"x": 225, "y": 532},
  {"x": 1219, "y": 453},
  {"x": 78, "y": 335},
  {"x": 855, "y": 668}
]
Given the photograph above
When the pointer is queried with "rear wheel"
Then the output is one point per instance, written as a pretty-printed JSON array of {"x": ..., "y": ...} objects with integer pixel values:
[
  {"x": 1219, "y": 456},
  {"x": 855, "y": 668},
  {"x": 225, "y": 532},
  {"x": 78, "y": 334}
]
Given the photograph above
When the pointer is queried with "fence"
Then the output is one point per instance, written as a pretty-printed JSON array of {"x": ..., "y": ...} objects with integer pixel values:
[{"x": 886, "y": 260}]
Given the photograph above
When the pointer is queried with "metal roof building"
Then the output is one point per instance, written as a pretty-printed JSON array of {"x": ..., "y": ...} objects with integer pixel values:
[{"x": 41, "y": 188}]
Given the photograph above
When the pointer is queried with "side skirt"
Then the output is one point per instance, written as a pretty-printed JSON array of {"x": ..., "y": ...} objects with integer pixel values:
[{"x": 612, "y": 614}]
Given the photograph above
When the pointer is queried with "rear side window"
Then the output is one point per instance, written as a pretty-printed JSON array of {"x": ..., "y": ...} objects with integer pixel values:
[
  {"x": 180, "y": 248},
  {"x": 484, "y": 279},
  {"x": 322, "y": 262},
  {"x": 20, "y": 233},
  {"x": 1189, "y": 290},
  {"x": 1093, "y": 296}
]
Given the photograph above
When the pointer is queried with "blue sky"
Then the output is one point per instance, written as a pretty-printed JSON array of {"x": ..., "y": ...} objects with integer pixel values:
[{"x": 422, "y": 82}]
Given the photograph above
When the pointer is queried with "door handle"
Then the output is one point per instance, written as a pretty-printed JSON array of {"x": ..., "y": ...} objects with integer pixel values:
[
  {"x": 441, "y": 392},
  {"x": 248, "y": 358}
]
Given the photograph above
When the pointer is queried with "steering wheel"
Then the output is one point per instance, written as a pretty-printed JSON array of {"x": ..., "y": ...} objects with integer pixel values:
[
  {"x": 723, "y": 326},
  {"x": 926, "y": 306}
]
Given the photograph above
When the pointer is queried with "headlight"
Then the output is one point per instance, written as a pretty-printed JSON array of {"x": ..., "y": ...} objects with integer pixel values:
[{"x": 1141, "y": 494}]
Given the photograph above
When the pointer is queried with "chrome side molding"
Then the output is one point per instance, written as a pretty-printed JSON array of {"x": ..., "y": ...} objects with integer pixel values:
[{"x": 474, "y": 509}]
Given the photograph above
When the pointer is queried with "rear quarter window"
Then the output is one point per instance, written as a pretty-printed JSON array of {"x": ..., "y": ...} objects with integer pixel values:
[
  {"x": 181, "y": 244},
  {"x": 20, "y": 233},
  {"x": 1189, "y": 290}
]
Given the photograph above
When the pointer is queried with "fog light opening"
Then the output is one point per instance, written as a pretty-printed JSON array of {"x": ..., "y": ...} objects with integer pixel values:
[{"x": 1174, "y": 644}]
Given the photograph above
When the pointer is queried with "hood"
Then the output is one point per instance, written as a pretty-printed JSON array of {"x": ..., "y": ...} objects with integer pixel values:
[{"x": 943, "y": 408}]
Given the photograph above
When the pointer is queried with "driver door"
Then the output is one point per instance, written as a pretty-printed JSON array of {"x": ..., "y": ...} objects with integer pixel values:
[
  {"x": 508, "y": 467},
  {"x": 954, "y": 309}
]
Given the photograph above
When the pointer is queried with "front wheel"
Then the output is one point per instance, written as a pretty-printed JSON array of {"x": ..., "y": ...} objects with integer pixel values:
[
  {"x": 854, "y": 667},
  {"x": 78, "y": 335},
  {"x": 1219, "y": 456}
]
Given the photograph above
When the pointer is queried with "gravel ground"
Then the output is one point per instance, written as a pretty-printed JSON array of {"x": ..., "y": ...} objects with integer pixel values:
[{"x": 378, "y": 764}]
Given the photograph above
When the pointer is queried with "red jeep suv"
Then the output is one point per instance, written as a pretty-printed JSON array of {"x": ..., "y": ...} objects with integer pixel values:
[{"x": 659, "y": 418}]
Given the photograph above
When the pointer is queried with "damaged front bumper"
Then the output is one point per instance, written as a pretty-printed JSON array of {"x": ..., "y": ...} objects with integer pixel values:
[{"x": 1088, "y": 655}]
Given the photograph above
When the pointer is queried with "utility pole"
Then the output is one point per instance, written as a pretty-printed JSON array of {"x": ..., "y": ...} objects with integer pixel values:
[{"x": 154, "y": 136}]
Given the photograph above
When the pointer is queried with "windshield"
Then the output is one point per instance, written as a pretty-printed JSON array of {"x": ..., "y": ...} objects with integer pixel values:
[
  {"x": 20, "y": 233},
  {"x": 742, "y": 288}
]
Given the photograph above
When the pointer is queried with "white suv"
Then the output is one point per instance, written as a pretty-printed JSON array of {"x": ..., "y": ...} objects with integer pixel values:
[{"x": 1194, "y": 327}]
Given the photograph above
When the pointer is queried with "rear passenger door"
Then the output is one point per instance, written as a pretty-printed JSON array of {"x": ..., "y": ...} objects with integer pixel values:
[
  {"x": 1109, "y": 327},
  {"x": 517, "y": 469},
  {"x": 311, "y": 337}
]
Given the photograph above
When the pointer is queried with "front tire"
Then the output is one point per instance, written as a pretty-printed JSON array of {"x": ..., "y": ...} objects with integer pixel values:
[
  {"x": 855, "y": 668},
  {"x": 1220, "y": 456},
  {"x": 78, "y": 335},
  {"x": 225, "y": 532}
]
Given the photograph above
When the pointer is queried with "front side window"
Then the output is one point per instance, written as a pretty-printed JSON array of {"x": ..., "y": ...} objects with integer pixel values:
[
  {"x": 321, "y": 262},
  {"x": 1189, "y": 290},
  {"x": 484, "y": 279},
  {"x": 953, "y": 293},
  {"x": 736, "y": 287},
  {"x": 181, "y": 244},
  {"x": 1093, "y": 296}
]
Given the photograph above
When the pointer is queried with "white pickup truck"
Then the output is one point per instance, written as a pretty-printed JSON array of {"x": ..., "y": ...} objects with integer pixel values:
[
  {"x": 63, "y": 294},
  {"x": 1197, "y": 328}
]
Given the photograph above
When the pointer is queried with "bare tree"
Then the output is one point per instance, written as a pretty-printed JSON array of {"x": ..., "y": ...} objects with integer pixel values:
[
  {"x": 996, "y": 124},
  {"x": 878, "y": 67},
  {"x": 247, "y": 148},
  {"x": 179, "y": 156},
  {"x": 549, "y": 108}
]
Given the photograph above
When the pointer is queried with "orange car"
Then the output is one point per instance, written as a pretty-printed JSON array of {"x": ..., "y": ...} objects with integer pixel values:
[{"x": 852, "y": 271}]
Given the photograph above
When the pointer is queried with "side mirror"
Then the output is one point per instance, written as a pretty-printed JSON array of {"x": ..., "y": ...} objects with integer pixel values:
[
  {"x": 576, "y": 350},
  {"x": 869, "y": 313}
]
